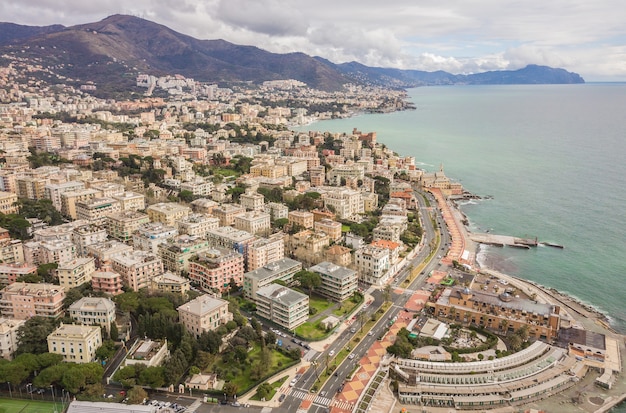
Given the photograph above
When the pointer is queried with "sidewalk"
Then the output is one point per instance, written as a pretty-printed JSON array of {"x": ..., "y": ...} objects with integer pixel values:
[{"x": 273, "y": 402}]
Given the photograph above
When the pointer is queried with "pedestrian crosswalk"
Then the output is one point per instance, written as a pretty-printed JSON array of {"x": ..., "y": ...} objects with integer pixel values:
[
  {"x": 194, "y": 406},
  {"x": 321, "y": 401}
]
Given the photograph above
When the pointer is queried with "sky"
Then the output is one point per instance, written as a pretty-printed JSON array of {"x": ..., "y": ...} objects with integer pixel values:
[{"x": 459, "y": 36}]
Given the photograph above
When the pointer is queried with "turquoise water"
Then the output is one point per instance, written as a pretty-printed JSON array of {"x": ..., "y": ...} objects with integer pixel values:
[{"x": 552, "y": 157}]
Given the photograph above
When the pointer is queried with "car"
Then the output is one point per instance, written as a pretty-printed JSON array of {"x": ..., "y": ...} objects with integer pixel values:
[
  {"x": 331, "y": 353},
  {"x": 336, "y": 374},
  {"x": 353, "y": 330},
  {"x": 293, "y": 340},
  {"x": 235, "y": 404},
  {"x": 223, "y": 402},
  {"x": 323, "y": 393},
  {"x": 370, "y": 333},
  {"x": 351, "y": 356},
  {"x": 282, "y": 397}
]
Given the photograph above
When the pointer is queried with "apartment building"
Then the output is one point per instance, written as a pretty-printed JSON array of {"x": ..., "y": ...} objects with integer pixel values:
[
  {"x": 227, "y": 213},
  {"x": 53, "y": 192},
  {"x": 75, "y": 273},
  {"x": 107, "y": 189},
  {"x": 70, "y": 198},
  {"x": 339, "y": 255},
  {"x": 216, "y": 268},
  {"x": 254, "y": 222},
  {"x": 283, "y": 270},
  {"x": 198, "y": 186},
  {"x": 229, "y": 237},
  {"x": 8, "y": 336},
  {"x": 87, "y": 235},
  {"x": 22, "y": 300},
  {"x": 373, "y": 264},
  {"x": 170, "y": 283},
  {"x": 147, "y": 352},
  {"x": 61, "y": 232},
  {"x": 76, "y": 343},
  {"x": 95, "y": 210},
  {"x": 31, "y": 187},
  {"x": 197, "y": 225},
  {"x": 9, "y": 273},
  {"x": 252, "y": 201},
  {"x": 345, "y": 202},
  {"x": 149, "y": 236},
  {"x": 43, "y": 252},
  {"x": 203, "y": 206},
  {"x": 276, "y": 210},
  {"x": 282, "y": 305},
  {"x": 11, "y": 251},
  {"x": 303, "y": 219},
  {"x": 122, "y": 225},
  {"x": 264, "y": 251},
  {"x": 137, "y": 268},
  {"x": 8, "y": 203},
  {"x": 338, "y": 283},
  {"x": 107, "y": 282},
  {"x": 130, "y": 201},
  {"x": 318, "y": 176},
  {"x": 103, "y": 251},
  {"x": 203, "y": 314},
  {"x": 308, "y": 246},
  {"x": 167, "y": 213},
  {"x": 329, "y": 227},
  {"x": 94, "y": 310},
  {"x": 176, "y": 252}
]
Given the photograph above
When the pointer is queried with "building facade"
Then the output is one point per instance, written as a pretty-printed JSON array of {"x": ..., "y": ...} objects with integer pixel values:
[
  {"x": 203, "y": 314},
  {"x": 75, "y": 273},
  {"x": 22, "y": 300},
  {"x": 283, "y": 270},
  {"x": 282, "y": 305},
  {"x": 76, "y": 343},
  {"x": 94, "y": 310},
  {"x": 215, "y": 268},
  {"x": 338, "y": 283}
]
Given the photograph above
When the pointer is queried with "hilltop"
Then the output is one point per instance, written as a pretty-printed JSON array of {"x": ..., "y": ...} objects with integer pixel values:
[{"x": 120, "y": 46}]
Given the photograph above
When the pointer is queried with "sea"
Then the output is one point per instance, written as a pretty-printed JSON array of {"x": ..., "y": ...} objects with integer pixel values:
[{"x": 549, "y": 161}]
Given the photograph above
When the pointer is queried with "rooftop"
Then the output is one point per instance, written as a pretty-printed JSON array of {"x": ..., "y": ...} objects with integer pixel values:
[
  {"x": 202, "y": 305},
  {"x": 280, "y": 294},
  {"x": 93, "y": 304},
  {"x": 334, "y": 270},
  {"x": 275, "y": 267}
]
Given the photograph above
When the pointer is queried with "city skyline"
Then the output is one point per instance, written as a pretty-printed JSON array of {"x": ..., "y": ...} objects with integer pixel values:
[{"x": 458, "y": 37}]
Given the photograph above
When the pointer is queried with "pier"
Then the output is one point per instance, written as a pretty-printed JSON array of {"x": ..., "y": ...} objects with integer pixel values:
[{"x": 503, "y": 240}]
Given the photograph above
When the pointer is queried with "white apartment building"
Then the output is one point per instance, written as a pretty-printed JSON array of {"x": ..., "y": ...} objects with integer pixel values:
[
  {"x": 373, "y": 264},
  {"x": 53, "y": 191},
  {"x": 137, "y": 268},
  {"x": 198, "y": 187},
  {"x": 254, "y": 222},
  {"x": 283, "y": 270},
  {"x": 345, "y": 202},
  {"x": 8, "y": 336},
  {"x": 252, "y": 201},
  {"x": 282, "y": 305},
  {"x": 264, "y": 251},
  {"x": 338, "y": 283},
  {"x": 94, "y": 310},
  {"x": 95, "y": 210},
  {"x": 148, "y": 236},
  {"x": 277, "y": 210},
  {"x": 130, "y": 201},
  {"x": 122, "y": 225},
  {"x": 107, "y": 189},
  {"x": 167, "y": 213},
  {"x": 103, "y": 251},
  {"x": 198, "y": 225},
  {"x": 76, "y": 343},
  {"x": 87, "y": 235},
  {"x": 203, "y": 314},
  {"x": 75, "y": 273},
  {"x": 38, "y": 253}
]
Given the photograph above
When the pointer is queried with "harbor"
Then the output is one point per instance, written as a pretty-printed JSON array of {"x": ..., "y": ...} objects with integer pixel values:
[{"x": 509, "y": 241}]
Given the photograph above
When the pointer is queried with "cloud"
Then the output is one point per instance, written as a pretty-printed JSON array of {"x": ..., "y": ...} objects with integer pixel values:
[{"x": 453, "y": 35}]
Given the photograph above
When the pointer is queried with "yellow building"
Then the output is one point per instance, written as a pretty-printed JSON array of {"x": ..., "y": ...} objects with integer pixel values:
[
  {"x": 75, "y": 273},
  {"x": 303, "y": 219},
  {"x": 167, "y": 213},
  {"x": 122, "y": 225},
  {"x": 7, "y": 203},
  {"x": 76, "y": 343},
  {"x": 204, "y": 313}
]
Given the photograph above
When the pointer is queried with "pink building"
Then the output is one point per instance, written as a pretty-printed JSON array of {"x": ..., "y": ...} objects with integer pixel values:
[
  {"x": 24, "y": 300},
  {"x": 215, "y": 268},
  {"x": 107, "y": 281}
]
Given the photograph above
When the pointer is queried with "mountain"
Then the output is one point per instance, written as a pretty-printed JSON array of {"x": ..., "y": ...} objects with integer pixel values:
[
  {"x": 120, "y": 46},
  {"x": 10, "y": 32}
]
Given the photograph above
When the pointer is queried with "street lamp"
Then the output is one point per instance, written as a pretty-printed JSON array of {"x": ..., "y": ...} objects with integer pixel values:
[{"x": 10, "y": 393}]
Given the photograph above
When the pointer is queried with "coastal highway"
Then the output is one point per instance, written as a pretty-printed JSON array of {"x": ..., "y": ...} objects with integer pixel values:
[{"x": 321, "y": 403}]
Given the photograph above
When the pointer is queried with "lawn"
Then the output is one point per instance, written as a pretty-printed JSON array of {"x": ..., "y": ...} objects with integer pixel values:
[
  {"x": 319, "y": 303},
  {"x": 242, "y": 379},
  {"x": 27, "y": 406},
  {"x": 311, "y": 331},
  {"x": 347, "y": 307},
  {"x": 275, "y": 386}
]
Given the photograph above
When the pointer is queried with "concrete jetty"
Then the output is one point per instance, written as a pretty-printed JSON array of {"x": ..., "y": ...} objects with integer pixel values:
[{"x": 502, "y": 240}]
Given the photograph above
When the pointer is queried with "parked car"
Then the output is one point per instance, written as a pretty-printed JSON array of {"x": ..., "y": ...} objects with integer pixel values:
[{"x": 282, "y": 397}]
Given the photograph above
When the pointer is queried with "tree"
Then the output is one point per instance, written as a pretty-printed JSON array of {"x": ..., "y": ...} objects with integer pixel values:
[
  {"x": 264, "y": 390},
  {"x": 47, "y": 271},
  {"x": 114, "y": 334},
  {"x": 73, "y": 379},
  {"x": 32, "y": 336},
  {"x": 230, "y": 388},
  {"x": 136, "y": 395},
  {"x": 128, "y": 301},
  {"x": 106, "y": 350},
  {"x": 49, "y": 359},
  {"x": 13, "y": 372},
  {"x": 387, "y": 293},
  {"x": 186, "y": 196},
  {"x": 153, "y": 377},
  {"x": 308, "y": 279},
  {"x": 30, "y": 278}
]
